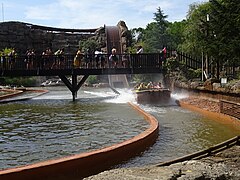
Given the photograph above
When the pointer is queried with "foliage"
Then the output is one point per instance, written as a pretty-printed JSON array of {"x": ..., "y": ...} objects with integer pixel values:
[
  {"x": 5, "y": 51},
  {"x": 92, "y": 79},
  {"x": 175, "y": 32},
  {"x": 192, "y": 74},
  {"x": 155, "y": 35},
  {"x": 89, "y": 45},
  {"x": 21, "y": 81},
  {"x": 213, "y": 28},
  {"x": 172, "y": 64},
  {"x": 137, "y": 34}
]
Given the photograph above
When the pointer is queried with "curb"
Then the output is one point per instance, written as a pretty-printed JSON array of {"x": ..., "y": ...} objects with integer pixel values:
[{"x": 89, "y": 163}]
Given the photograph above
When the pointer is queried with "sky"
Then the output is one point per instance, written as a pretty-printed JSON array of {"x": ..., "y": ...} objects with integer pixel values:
[{"x": 85, "y": 14}]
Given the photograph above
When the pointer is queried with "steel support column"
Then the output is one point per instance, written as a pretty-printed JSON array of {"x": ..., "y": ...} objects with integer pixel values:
[{"x": 74, "y": 86}]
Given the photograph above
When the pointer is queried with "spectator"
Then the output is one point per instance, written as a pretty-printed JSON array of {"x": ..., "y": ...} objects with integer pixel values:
[
  {"x": 12, "y": 58},
  {"x": 30, "y": 56},
  {"x": 78, "y": 59},
  {"x": 113, "y": 59},
  {"x": 125, "y": 59}
]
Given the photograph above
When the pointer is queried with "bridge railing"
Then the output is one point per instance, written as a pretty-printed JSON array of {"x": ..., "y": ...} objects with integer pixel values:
[
  {"x": 189, "y": 61},
  {"x": 89, "y": 61}
]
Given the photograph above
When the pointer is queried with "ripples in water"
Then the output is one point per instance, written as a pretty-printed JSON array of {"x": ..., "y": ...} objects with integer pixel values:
[
  {"x": 52, "y": 126},
  {"x": 46, "y": 128}
]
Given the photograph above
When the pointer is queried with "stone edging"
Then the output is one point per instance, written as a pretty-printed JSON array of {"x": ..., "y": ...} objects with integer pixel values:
[
  {"x": 11, "y": 94},
  {"x": 222, "y": 118},
  {"x": 15, "y": 93},
  {"x": 89, "y": 163}
]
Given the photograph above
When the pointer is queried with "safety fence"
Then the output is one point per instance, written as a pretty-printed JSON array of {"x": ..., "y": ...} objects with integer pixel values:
[{"x": 204, "y": 153}]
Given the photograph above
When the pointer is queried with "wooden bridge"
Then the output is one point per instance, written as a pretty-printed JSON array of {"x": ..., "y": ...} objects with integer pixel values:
[
  {"x": 137, "y": 64},
  {"x": 63, "y": 66}
]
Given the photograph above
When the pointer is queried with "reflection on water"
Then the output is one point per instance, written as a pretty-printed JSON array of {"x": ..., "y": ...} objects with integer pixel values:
[
  {"x": 181, "y": 132},
  {"x": 52, "y": 126}
]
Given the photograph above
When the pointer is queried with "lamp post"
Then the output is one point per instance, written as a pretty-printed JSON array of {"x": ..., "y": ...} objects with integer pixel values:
[
  {"x": 206, "y": 56},
  {"x": 205, "y": 70}
]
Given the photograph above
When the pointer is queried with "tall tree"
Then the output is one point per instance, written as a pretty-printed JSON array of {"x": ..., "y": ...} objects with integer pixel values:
[
  {"x": 160, "y": 18},
  {"x": 225, "y": 27},
  {"x": 195, "y": 31},
  {"x": 175, "y": 32},
  {"x": 155, "y": 35}
]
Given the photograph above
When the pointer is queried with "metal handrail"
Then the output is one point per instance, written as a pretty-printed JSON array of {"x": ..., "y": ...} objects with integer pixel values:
[{"x": 204, "y": 153}]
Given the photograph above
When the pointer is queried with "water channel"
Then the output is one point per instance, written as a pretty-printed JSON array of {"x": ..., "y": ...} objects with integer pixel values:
[{"x": 52, "y": 126}]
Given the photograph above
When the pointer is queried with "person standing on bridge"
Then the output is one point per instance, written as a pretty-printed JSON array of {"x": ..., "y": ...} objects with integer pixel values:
[
  {"x": 78, "y": 59},
  {"x": 164, "y": 51},
  {"x": 113, "y": 59},
  {"x": 125, "y": 59},
  {"x": 12, "y": 58},
  {"x": 59, "y": 59}
]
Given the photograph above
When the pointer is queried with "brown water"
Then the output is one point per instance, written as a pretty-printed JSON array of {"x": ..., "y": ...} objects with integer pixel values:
[{"x": 52, "y": 126}]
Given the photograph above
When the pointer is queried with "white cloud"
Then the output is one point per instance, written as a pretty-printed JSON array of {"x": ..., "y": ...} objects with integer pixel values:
[{"x": 95, "y": 13}]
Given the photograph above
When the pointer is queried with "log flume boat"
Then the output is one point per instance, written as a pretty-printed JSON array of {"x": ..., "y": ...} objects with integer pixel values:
[{"x": 152, "y": 95}]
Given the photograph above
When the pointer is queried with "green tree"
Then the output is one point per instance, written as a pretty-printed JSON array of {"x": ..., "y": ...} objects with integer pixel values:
[
  {"x": 194, "y": 34},
  {"x": 213, "y": 28},
  {"x": 224, "y": 27},
  {"x": 175, "y": 32},
  {"x": 155, "y": 34},
  {"x": 136, "y": 39},
  {"x": 89, "y": 44}
]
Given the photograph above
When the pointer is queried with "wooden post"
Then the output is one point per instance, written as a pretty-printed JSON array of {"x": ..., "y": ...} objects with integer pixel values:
[{"x": 74, "y": 86}]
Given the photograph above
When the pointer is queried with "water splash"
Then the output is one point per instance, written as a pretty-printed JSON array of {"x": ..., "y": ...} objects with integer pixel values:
[
  {"x": 100, "y": 94},
  {"x": 56, "y": 96},
  {"x": 179, "y": 96},
  {"x": 126, "y": 95}
]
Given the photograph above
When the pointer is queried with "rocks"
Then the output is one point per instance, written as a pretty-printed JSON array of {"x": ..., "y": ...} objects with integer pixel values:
[
  {"x": 223, "y": 166},
  {"x": 23, "y": 36},
  {"x": 211, "y": 85},
  {"x": 125, "y": 35},
  {"x": 203, "y": 103},
  {"x": 208, "y": 84}
]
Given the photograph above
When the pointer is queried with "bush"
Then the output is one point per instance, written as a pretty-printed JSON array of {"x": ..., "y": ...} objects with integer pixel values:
[
  {"x": 5, "y": 51},
  {"x": 21, "y": 81},
  {"x": 92, "y": 79},
  {"x": 172, "y": 64}
]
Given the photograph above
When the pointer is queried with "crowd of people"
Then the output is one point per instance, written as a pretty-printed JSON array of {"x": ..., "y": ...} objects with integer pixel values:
[
  {"x": 49, "y": 59},
  {"x": 150, "y": 85}
]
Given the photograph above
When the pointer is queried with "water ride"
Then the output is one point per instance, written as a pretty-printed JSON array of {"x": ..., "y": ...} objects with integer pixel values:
[{"x": 152, "y": 94}]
